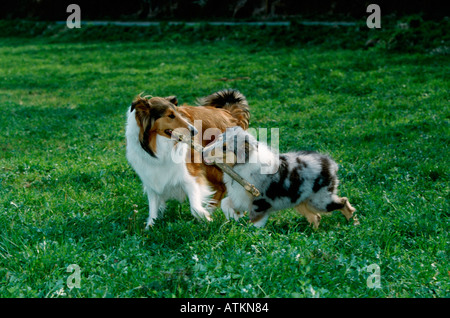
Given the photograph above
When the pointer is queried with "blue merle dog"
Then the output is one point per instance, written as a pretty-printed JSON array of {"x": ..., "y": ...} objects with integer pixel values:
[{"x": 306, "y": 181}]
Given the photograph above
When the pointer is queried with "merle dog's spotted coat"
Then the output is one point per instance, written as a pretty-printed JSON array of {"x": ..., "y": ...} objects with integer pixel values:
[{"x": 304, "y": 180}]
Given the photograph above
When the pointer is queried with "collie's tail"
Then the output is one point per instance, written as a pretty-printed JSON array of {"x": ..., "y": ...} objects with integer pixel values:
[{"x": 231, "y": 100}]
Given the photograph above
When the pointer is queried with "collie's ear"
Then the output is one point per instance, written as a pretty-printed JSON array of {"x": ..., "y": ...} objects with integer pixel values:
[
  {"x": 172, "y": 99},
  {"x": 142, "y": 107},
  {"x": 145, "y": 122}
]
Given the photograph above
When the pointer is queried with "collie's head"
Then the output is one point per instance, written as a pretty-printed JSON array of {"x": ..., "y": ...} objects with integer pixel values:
[
  {"x": 158, "y": 116},
  {"x": 234, "y": 146}
]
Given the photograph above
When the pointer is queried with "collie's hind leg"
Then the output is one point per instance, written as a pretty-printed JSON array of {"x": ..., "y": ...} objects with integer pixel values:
[
  {"x": 219, "y": 194},
  {"x": 312, "y": 217}
]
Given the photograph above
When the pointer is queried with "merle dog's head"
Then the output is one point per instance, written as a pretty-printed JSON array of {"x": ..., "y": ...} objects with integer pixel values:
[{"x": 231, "y": 147}]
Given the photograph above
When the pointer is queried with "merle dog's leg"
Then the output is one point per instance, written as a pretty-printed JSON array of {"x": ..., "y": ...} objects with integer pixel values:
[
  {"x": 228, "y": 209},
  {"x": 259, "y": 219},
  {"x": 312, "y": 217}
]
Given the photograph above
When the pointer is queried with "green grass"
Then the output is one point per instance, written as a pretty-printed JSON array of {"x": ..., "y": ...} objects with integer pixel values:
[{"x": 68, "y": 195}]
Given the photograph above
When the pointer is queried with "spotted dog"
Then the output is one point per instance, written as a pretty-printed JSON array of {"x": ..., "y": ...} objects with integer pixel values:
[{"x": 306, "y": 181}]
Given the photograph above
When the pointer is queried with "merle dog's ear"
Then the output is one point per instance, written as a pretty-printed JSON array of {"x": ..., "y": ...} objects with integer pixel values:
[{"x": 172, "y": 99}]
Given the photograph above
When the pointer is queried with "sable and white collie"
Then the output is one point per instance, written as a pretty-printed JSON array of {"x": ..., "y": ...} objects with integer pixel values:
[
  {"x": 169, "y": 170},
  {"x": 306, "y": 181}
]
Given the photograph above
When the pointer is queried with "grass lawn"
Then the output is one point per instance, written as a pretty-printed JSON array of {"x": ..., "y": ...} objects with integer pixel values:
[{"x": 68, "y": 195}]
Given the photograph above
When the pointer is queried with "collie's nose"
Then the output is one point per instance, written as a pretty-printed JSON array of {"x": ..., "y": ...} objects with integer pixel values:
[{"x": 193, "y": 130}]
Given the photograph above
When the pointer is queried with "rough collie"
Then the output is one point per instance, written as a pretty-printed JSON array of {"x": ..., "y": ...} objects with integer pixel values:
[
  {"x": 170, "y": 170},
  {"x": 306, "y": 181}
]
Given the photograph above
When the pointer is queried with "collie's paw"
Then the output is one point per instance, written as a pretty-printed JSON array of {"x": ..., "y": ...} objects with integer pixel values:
[
  {"x": 202, "y": 215},
  {"x": 150, "y": 222},
  {"x": 207, "y": 217}
]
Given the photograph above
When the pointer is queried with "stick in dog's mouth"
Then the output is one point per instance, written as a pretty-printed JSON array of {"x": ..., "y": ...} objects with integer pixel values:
[
  {"x": 169, "y": 132},
  {"x": 224, "y": 167}
]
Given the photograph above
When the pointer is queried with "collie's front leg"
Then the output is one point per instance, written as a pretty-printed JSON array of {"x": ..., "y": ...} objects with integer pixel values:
[
  {"x": 154, "y": 203},
  {"x": 199, "y": 195}
]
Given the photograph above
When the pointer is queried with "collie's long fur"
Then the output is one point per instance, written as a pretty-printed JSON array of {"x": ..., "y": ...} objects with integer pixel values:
[
  {"x": 306, "y": 181},
  {"x": 150, "y": 148}
]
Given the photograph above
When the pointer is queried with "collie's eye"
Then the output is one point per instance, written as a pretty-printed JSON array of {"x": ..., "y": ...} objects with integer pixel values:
[{"x": 172, "y": 116}]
